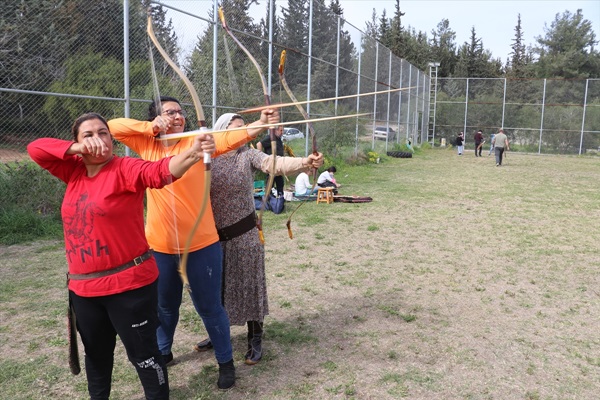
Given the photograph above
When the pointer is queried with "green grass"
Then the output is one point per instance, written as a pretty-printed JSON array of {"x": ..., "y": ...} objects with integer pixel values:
[{"x": 30, "y": 200}]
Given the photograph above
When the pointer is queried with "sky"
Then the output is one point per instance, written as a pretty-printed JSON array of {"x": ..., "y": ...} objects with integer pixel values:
[{"x": 494, "y": 20}]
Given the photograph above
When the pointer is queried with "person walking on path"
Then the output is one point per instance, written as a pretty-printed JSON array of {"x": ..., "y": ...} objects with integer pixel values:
[{"x": 500, "y": 143}]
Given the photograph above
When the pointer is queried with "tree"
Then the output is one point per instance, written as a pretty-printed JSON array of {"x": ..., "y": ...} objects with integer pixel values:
[
  {"x": 443, "y": 48},
  {"x": 347, "y": 56},
  {"x": 416, "y": 49},
  {"x": 384, "y": 31},
  {"x": 294, "y": 33},
  {"x": 396, "y": 31},
  {"x": 164, "y": 32},
  {"x": 372, "y": 27},
  {"x": 78, "y": 80},
  {"x": 39, "y": 38},
  {"x": 324, "y": 47},
  {"x": 567, "y": 49},
  {"x": 247, "y": 88},
  {"x": 518, "y": 62},
  {"x": 32, "y": 42},
  {"x": 276, "y": 37},
  {"x": 475, "y": 62}
]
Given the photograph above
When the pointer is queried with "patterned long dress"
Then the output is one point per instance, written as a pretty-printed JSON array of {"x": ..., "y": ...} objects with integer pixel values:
[
  {"x": 232, "y": 198},
  {"x": 231, "y": 194}
]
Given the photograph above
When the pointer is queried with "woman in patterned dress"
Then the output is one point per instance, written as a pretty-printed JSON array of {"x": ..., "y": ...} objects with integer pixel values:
[{"x": 232, "y": 185}]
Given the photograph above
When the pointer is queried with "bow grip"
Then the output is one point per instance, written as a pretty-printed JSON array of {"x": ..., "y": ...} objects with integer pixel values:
[{"x": 207, "y": 157}]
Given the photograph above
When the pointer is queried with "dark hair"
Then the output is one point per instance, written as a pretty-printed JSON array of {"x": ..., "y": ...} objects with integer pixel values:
[
  {"x": 332, "y": 169},
  {"x": 236, "y": 116},
  {"x": 85, "y": 117},
  {"x": 152, "y": 112}
]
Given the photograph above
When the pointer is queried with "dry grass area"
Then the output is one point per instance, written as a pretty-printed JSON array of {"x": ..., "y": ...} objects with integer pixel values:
[{"x": 461, "y": 280}]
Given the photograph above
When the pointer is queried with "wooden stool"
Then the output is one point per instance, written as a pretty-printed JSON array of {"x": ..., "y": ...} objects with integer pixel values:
[{"x": 325, "y": 195}]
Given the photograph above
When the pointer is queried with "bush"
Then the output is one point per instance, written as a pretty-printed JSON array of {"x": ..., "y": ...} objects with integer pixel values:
[
  {"x": 30, "y": 200},
  {"x": 18, "y": 226}
]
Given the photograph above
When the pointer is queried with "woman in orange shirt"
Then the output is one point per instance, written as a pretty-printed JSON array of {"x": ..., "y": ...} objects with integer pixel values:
[{"x": 171, "y": 213}]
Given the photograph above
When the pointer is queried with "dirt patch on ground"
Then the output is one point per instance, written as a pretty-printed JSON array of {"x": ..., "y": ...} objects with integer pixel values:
[{"x": 7, "y": 155}]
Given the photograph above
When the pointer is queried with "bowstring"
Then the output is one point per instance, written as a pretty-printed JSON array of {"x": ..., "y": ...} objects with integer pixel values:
[
  {"x": 233, "y": 85},
  {"x": 158, "y": 105}
]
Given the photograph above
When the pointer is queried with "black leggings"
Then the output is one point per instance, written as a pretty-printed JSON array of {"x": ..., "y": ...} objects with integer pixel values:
[{"x": 133, "y": 316}]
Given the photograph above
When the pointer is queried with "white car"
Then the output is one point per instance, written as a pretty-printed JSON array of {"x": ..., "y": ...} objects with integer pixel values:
[
  {"x": 382, "y": 132},
  {"x": 292, "y": 133}
]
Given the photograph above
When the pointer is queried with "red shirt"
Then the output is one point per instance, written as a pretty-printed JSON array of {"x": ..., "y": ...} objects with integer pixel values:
[{"x": 103, "y": 216}]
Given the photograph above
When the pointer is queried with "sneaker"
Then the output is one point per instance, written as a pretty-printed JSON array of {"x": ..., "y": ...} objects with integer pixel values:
[
  {"x": 204, "y": 345},
  {"x": 497, "y": 165}
]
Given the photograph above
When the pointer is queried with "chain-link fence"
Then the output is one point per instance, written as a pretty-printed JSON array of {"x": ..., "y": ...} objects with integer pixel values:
[
  {"x": 78, "y": 56},
  {"x": 539, "y": 115}
]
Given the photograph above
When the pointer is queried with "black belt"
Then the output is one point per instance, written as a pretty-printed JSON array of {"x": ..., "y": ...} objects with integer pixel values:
[
  {"x": 239, "y": 228},
  {"x": 133, "y": 263}
]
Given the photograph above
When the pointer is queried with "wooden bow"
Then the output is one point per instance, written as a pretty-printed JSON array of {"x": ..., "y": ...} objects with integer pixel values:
[
  {"x": 313, "y": 134},
  {"x": 267, "y": 97},
  {"x": 207, "y": 157}
]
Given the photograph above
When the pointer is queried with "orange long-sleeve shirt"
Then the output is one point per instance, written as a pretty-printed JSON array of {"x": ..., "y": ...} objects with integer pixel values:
[{"x": 173, "y": 209}]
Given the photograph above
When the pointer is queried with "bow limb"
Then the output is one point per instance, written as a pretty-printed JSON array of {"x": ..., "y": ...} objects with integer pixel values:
[
  {"x": 313, "y": 135},
  {"x": 207, "y": 157},
  {"x": 267, "y": 97}
]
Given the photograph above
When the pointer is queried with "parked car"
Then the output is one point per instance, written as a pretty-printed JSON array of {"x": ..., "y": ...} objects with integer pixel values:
[
  {"x": 382, "y": 132},
  {"x": 291, "y": 134}
]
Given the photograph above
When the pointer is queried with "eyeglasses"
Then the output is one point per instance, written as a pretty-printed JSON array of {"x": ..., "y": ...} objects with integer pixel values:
[{"x": 173, "y": 113}]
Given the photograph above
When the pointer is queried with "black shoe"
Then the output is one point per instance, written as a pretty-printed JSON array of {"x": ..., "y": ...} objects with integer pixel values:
[
  {"x": 204, "y": 345},
  {"x": 168, "y": 357},
  {"x": 226, "y": 375}
]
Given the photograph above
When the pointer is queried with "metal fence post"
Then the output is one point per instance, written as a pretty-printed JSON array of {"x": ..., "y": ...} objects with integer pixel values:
[
  {"x": 466, "y": 110},
  {"x": 375, "y": 96},
  {"x": 542, "y": 117},
  {"x": 357, "y": 97},
  {"x": 387, "y": 138},
  {"x": 400, "y": 99},
  {"x": 503, "y": 104},
  {"x": 587, "y": 81},
  {"x": 408, "y": 102},
  {"x": 310, "y": 36},
  {"x": 215, "y": 53}
]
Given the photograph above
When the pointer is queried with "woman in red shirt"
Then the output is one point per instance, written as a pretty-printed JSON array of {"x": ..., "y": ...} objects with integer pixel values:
[{"x": 112, "y": 272}]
